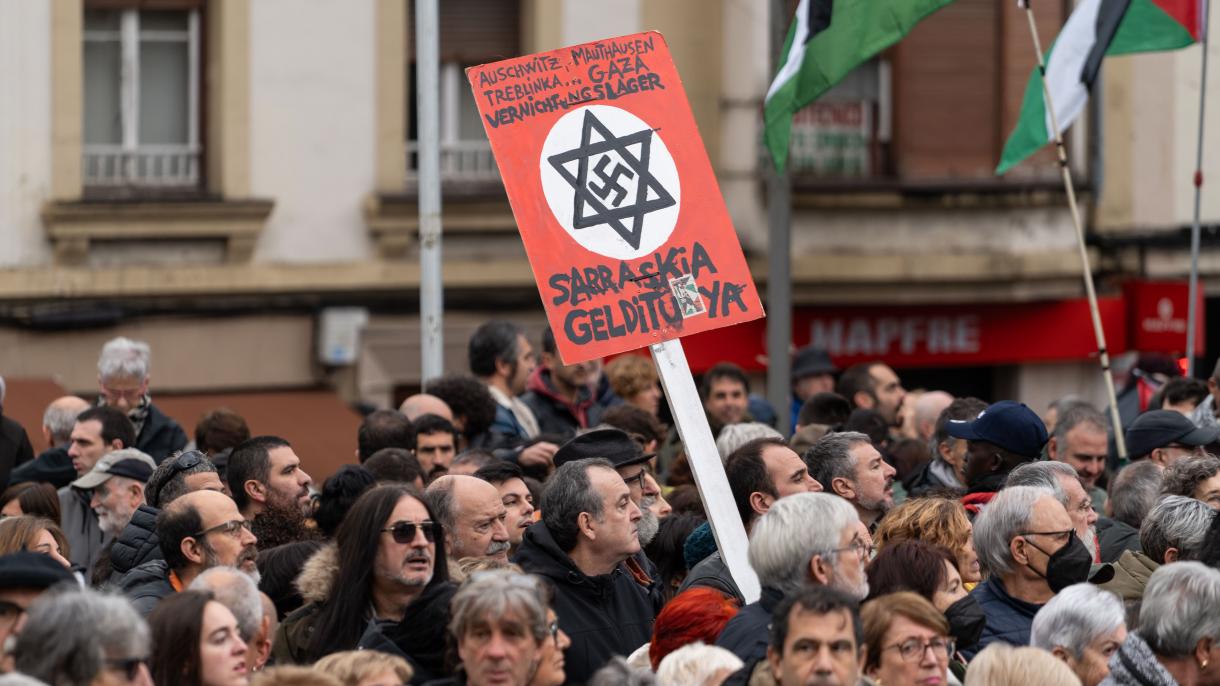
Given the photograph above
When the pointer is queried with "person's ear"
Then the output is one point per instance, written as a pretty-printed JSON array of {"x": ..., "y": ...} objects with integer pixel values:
[
  {"x": 775, "y": 659},
  {"x": 1064, "y": 656},
  {"x": 584, "y": 524},
  {"x": 136, "y": 492},
  {"x": 1052, "y": 448},
  {"x": 117, "y": 444},
  {"x": 760, "y": 502},
  {"x": 1172, "y": 555},
  {"x": 843, "y": 487},
  {"x": 820, "y": 570},
  {"x": 946, "y": 452},
  {"x": 256, "y": 491},
  {"x": 864, "y": 399},
  {"x": 192, "y": 550},
  {"x": 1203, "y": 651},
  {"x": 1157, "y": 456},
  {"x": 1016, "y": 549}
]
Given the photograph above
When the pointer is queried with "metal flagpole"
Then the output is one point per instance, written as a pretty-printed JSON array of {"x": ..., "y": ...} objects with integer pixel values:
[
  {"x": 1103, "y": 355},
  {"x": 779, "y": 265},
  {"x": 431, "y": 304},
  {"x": 1192, "y": 317}
]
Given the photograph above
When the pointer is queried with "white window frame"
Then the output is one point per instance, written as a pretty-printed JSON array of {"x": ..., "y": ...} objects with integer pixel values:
[{"x": 130, "y": 163}]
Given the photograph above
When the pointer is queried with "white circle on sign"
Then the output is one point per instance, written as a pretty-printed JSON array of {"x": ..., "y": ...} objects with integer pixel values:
[{"x": 610, "y": 181}]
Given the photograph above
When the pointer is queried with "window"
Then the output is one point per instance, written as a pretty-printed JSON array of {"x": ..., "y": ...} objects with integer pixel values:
[
  {"x": 141, "y": 104},
  {"x": 845, "y": 134}
]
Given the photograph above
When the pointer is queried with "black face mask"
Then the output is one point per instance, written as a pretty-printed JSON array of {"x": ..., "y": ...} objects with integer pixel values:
[
  {"x": 1068, "y": 565},
  {"x": 966, "y": 621}
]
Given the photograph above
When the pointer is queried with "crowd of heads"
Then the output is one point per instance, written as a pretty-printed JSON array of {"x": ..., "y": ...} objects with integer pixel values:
[{"x": 538, "y": 523}]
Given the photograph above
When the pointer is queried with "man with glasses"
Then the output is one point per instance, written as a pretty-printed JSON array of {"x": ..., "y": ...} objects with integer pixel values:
[
  {"x": 122, "y": 379},
  {"x": 805, "y": 539},
  {"x": 23, "y": 577},
  {"x": 1004, "y": 435},
  {"x": 176, "y": 476},
  {"x": 197, "y": 531},
  {"x": 1026, "y": 539},
  {"x": 1068, "y": 488},
  {"x": 1165, "y": 436}
]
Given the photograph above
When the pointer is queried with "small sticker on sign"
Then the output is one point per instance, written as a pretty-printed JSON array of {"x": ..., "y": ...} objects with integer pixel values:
[{"x": 686, "y": 292}]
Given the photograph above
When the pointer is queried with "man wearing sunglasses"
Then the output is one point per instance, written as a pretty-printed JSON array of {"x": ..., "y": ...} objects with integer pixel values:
[{"x": 198, "y": 531}]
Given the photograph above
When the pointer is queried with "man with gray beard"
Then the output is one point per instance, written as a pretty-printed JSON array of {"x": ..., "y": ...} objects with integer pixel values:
[
  {"x": 117, "y": 485},
  {"x": 631, "y": 463},
  {"x": 472, "y": 515}
]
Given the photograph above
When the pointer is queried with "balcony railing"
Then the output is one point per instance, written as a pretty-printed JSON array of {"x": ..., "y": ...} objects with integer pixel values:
[
  {"x": 460, "y": 161},
  {"x": 162, "y": 166}
]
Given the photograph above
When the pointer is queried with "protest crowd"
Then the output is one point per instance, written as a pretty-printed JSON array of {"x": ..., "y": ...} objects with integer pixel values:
[{"x": 532, "y": 523}]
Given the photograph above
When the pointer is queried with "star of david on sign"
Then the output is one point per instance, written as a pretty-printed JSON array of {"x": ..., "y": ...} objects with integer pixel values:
[{"x": 611, "y": 160}]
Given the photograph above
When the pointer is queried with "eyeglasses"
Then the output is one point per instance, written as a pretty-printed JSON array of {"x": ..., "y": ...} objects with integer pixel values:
[
  {"x": 129, "y": 666},
  {"x": 863, "y": 550},
  {"x": 912, "y": 649},
  {"x": 232, "y": 528},
  {"x": 1065, "y": 532},
  {"x": 638, "y": 479},
  {"x": 404, "y": 532}
]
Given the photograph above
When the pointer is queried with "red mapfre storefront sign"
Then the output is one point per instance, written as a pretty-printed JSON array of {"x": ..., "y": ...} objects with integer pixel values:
[
  {"x": 927, "y": 336},
  {"x": 1157, "y": 315}
]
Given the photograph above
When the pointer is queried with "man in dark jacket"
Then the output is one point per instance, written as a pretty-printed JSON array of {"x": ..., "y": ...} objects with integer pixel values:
[
  {"x": 1016, "y": 535},
  {"x": 584, "y": 546},
  {"x": 173, "y": 478},
  {"x": 1003, "y": 436},
  {"x": 122, "y": 378},
  {"x": 197, "y": 531},
  {"x": 560, "y": 395},
  {"x": 54, "y": 465},
  {"x": 15, "y": 448}
]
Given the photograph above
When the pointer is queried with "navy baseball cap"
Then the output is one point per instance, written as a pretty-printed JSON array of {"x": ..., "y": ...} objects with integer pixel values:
[
  {"x": 1008, "y": 424},
  {"x": 1158, "y": 428}
]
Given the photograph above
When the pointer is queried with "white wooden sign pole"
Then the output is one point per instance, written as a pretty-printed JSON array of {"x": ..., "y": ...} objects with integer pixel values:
[{"x": 705, "y": 463}]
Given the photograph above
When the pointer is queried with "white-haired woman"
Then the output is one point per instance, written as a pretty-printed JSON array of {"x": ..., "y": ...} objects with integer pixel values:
[{"x": 1083, "y": 626}]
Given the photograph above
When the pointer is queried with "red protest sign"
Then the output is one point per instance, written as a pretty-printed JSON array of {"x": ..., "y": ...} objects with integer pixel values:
[{"x": 626, "y": 232}]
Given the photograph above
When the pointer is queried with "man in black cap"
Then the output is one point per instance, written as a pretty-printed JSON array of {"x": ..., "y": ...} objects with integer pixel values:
[
  {"x": 23, "y": 577},
  {"x": 1004, "y": 435},
  {"x": 1165, "y": 436},
  {"x": 812, "y": 373},
  {"x": 631, "y": 463}
]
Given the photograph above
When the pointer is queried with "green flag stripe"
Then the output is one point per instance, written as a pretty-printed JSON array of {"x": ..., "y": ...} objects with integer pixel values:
[{"x": 1145, "y": 28}]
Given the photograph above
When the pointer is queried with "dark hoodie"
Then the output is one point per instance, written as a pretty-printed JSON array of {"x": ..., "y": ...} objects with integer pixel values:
[
  {"x": 554, "y": 413},
  {"x": 604, "y": 616}
]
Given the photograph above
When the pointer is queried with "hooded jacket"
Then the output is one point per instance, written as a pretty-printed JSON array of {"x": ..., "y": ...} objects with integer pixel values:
[
  {"x": 1134, "y": 664},
  {"x": 606, "y": 615},
  {"x": 427, "y": 617},
  {"x": 554, "y": 413},
  {"x": 1131, "y": 574},
  {"x": 1009, "y": 619},
  {"x": 146, "y": 585},
  {"x": 53, "y": 466},
  {"x": 137, "y": 544},
  {"x": 15, "y": 448}
]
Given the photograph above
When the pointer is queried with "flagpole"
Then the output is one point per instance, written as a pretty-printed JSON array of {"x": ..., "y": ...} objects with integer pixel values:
[
  {"x": 1192, "y": 317},
  {"x": 1103, "y": 355}
]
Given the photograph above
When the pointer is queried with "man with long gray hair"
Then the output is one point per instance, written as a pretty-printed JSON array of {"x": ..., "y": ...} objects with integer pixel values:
[
  {"x": 1082, "y": 625},
  {"x": 84, "y": 637},
  {"x": 122, "y": 381},
  {"x": 805, "y": 539},
  {"x": 499, "y": 622}
]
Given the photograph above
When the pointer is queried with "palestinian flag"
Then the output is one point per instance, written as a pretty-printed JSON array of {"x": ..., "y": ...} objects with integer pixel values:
[
  {"x": 828, "y": 39},
  {"x": 1096, "y": 28}
]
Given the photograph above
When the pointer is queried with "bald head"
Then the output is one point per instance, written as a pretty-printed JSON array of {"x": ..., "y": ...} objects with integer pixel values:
[
  {"x": 60, "y": 417},
  {"x": 472, "y": 515},
  {"x": 423, "y": 403},
  {"x": 927, "y": 411}
]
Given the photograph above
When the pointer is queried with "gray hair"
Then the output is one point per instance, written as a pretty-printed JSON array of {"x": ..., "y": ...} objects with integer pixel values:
[
  {"x": 69, "y": 636},
  {"x": 1076, "y": 414},
  {"x": 439, "y": 497},
  {"x": 1076, "y": 617},
  {"x": 1043, "y": 474},
  {"x": 60, "y": 421},
  {"x": 1134, "y": 491},
  {"x": 123, "y": 358},
  {"x": 167, "y": 483},
  {"x": 569, "y": 492},
  {"x": 795, "y": 529},
  {"x": 19, "y": 679},
  {"x": 1179, "y": 608},
  {"x": 1185, "y": 475},
  {"x": 492, "y": 594},
  {"x": 1175, "y": 522},
  {"x": 695, "y": 663},
  {"x": 618, "y": 673},
  {"x": 235, "y": 590},
  {"x": 1006, "y": 516},
  {"x": 734, "y": 436},
  {"x": 830, "y": 458}
]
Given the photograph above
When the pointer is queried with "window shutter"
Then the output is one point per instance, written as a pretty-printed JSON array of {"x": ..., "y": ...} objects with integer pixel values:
[{"x": 478, "y": 31}]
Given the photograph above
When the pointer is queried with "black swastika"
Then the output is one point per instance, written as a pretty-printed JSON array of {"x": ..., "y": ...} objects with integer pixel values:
[{"x": 610, "y": 181}]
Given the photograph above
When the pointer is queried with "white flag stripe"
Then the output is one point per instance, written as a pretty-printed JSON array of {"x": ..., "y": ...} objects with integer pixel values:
[
  {"x": 1063, "y": 70},
  {"x": 796, "y": 52}
]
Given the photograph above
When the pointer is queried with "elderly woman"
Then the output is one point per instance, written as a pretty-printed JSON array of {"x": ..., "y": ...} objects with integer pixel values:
[
  {"x": 1194, "y": 477},
  {"x": 930, "y": 571},
  {"x": 1179, "y": 637},
  {"x": 941, "y": 521},
  {"x": 1083, "y": 626},
  {"x": 908, "y": 641},
  {"x": 84, "y": 638}
]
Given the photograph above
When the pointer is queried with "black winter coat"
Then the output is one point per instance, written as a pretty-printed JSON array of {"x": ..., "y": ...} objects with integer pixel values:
[
  {"x": 15, "y": 448},
  {"x": 1009, "y": 619},
  {"x": 146, "y": 585},
  {"x": 54, "y": 466},
  {"x": 605, "y": 615},
  {"x": 160, "y": 436},
  {"x": 137, "y": 544},
  {"x": 746, "y": 635}
]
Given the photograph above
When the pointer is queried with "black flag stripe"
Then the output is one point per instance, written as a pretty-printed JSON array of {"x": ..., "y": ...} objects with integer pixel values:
[
  {"x": 819, "y": 17},
  {"x": 1109, "y": 15}
]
